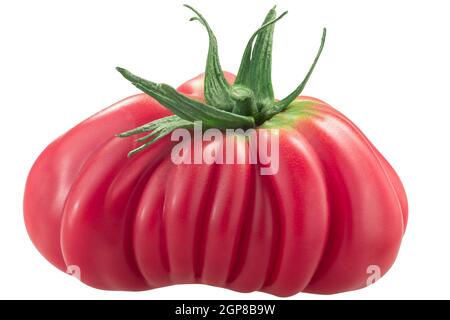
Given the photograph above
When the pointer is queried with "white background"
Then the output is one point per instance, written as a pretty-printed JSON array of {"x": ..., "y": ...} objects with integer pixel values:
[{"x": 385, "y": 65}]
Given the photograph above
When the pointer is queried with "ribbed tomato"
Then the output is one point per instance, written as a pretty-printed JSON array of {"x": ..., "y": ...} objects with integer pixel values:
[{"x": 334, "y": 208}]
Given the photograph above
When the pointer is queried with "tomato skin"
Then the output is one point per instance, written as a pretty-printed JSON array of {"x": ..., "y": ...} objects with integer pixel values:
[
  {"x": 362, "y": 202},
  {"x": 58, "y": 166},
  {"x": 334, "y": 208}
]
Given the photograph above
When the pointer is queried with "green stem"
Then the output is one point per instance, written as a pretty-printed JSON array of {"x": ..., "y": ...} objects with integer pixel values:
[
  {"x": 247, "y": 103},
  {"x": 186, "y": 108},
  {"x": 217, "y": 91},
  {"x": 284, "y": 103}
]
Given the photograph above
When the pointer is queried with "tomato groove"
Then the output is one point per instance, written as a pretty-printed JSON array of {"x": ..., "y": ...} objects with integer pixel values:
[
  {"x": 243, "y": 238},
  {"x": 201, "y": 229},
  {"x": 133, "y": 201},
  {"x": 276, "y": 248}
]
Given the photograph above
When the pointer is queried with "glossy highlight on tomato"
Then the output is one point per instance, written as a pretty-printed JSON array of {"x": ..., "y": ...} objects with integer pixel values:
[{"x": 335, "y": 208}]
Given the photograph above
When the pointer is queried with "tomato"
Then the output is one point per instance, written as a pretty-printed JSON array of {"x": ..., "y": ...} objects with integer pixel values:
[{"x": 334, "y": 209}]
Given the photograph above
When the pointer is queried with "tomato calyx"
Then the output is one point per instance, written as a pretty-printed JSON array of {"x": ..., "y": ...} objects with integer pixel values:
[{"x": 247, "y": 103}]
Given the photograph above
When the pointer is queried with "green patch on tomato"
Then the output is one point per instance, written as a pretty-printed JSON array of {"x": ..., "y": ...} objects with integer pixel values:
[{"x": 297, "y": 110}]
